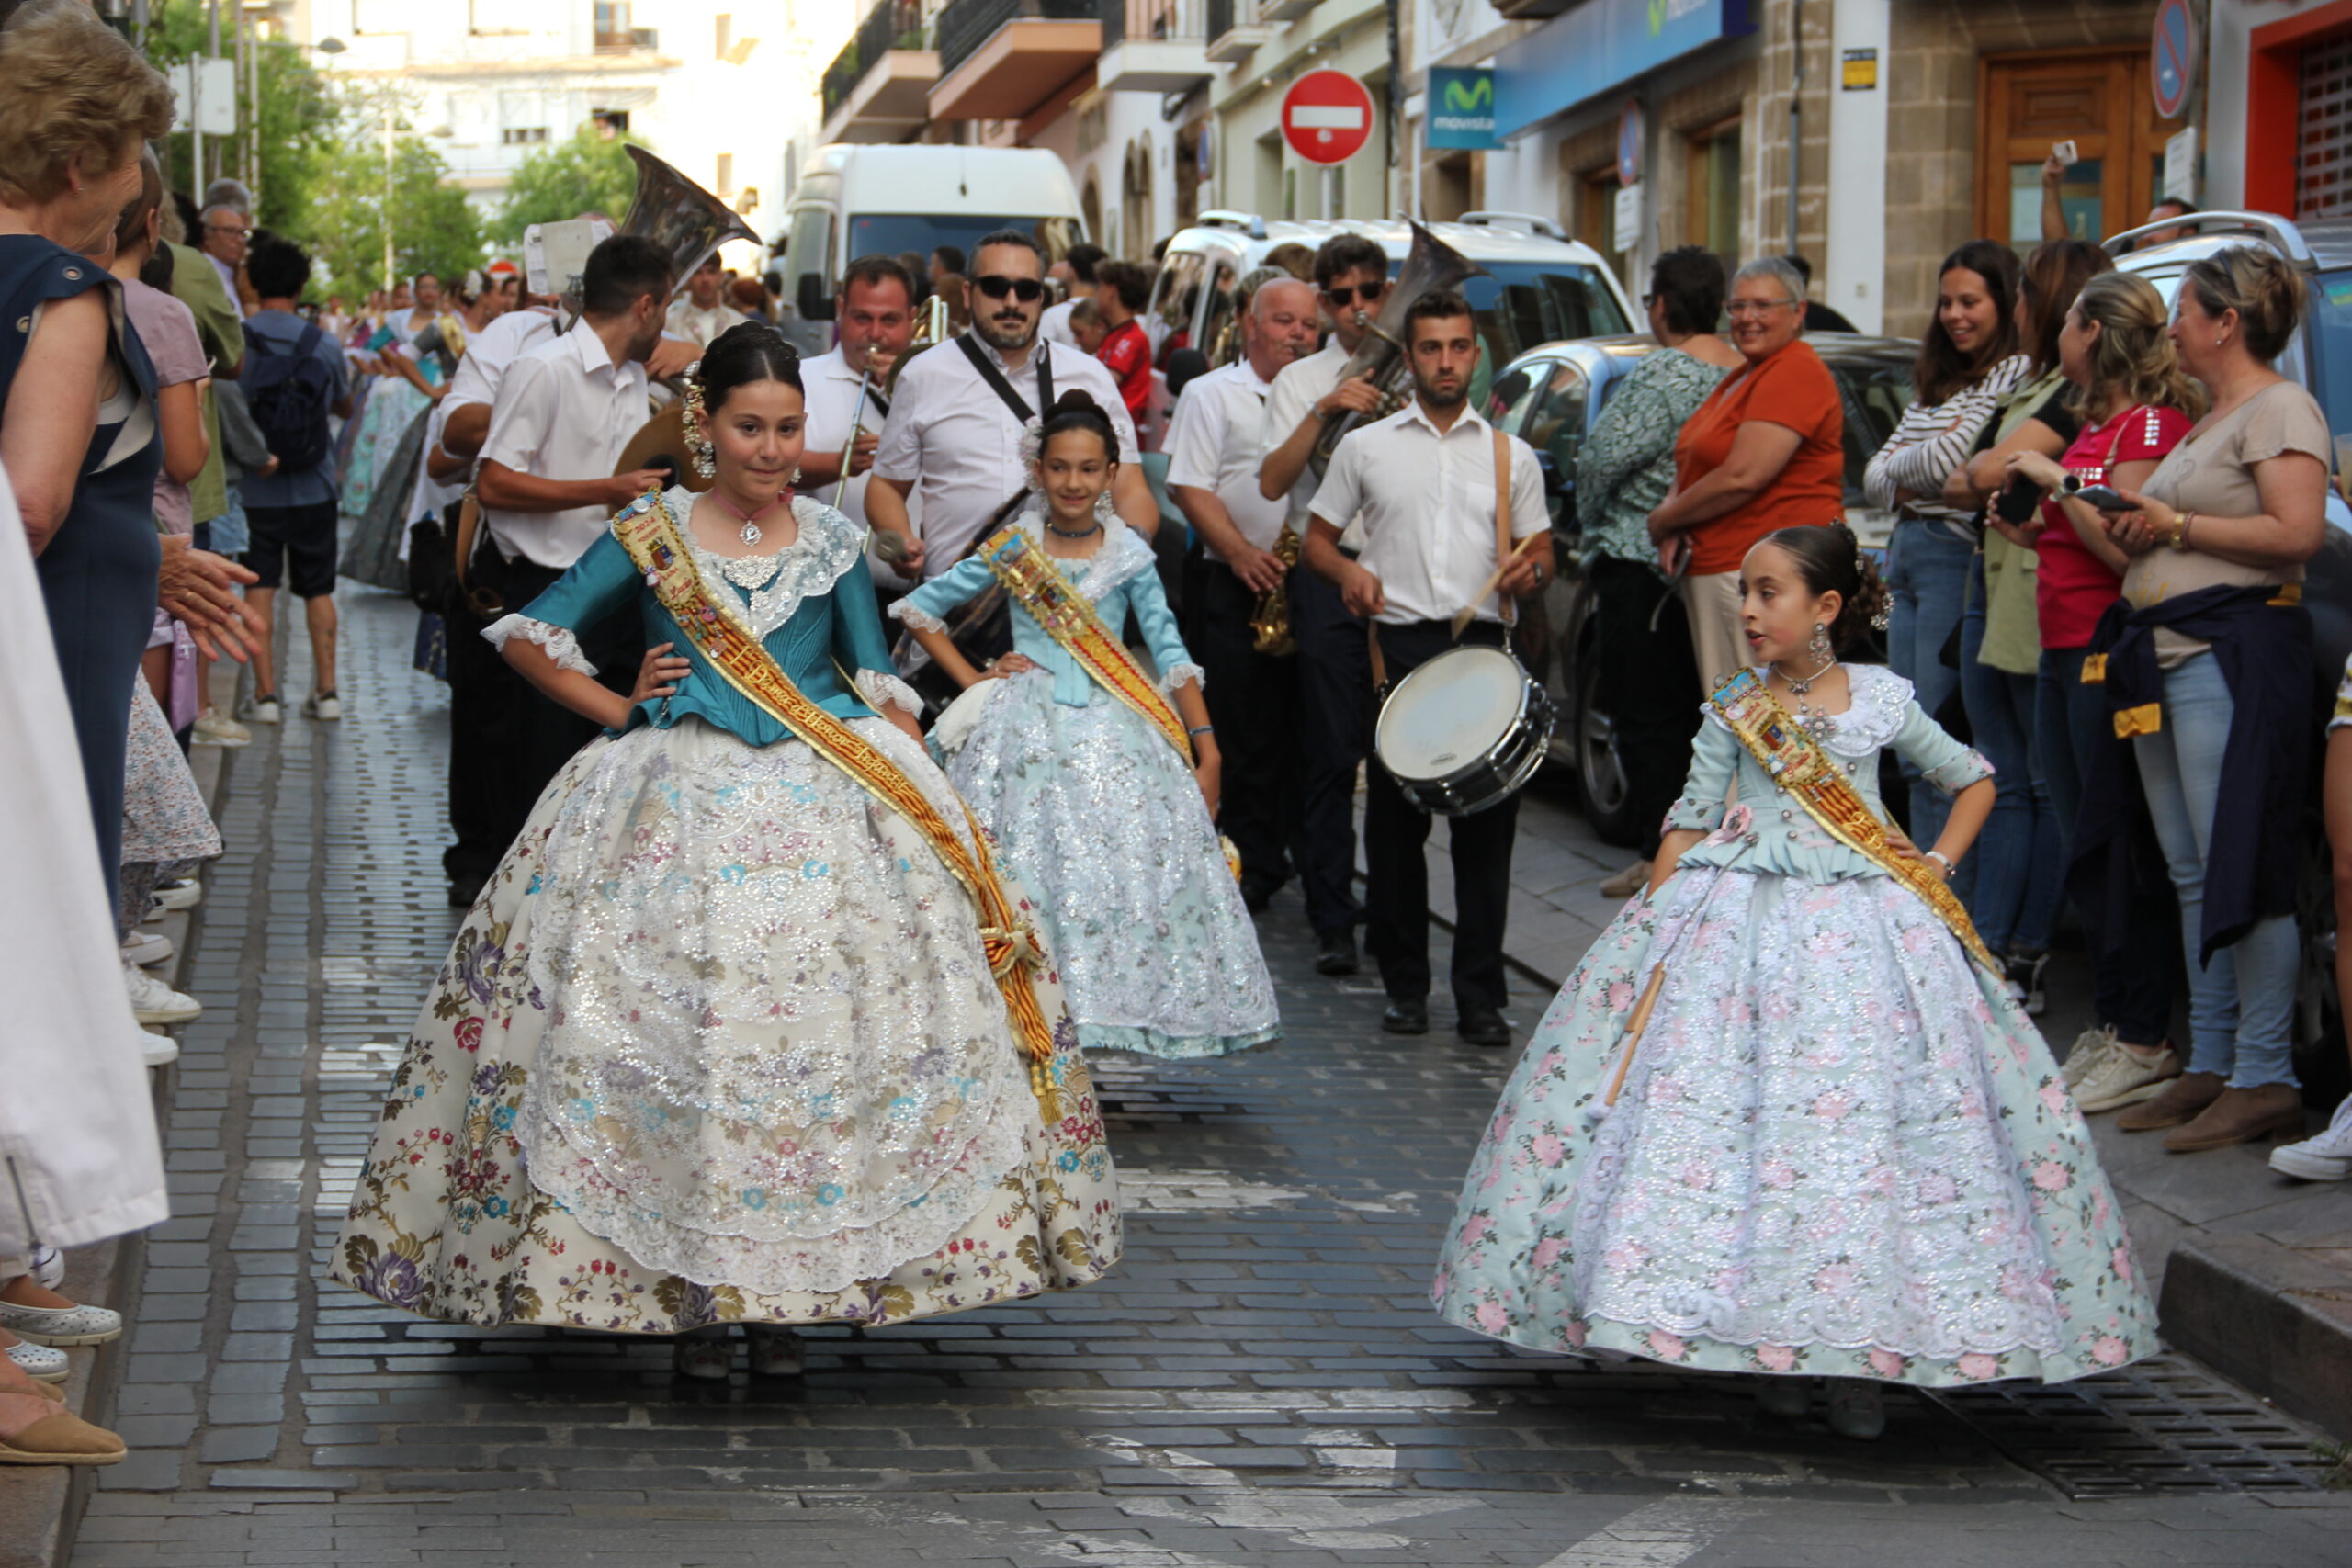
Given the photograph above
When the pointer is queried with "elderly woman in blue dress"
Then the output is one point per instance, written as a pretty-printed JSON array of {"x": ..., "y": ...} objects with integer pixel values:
[
  {"x": 1101, "y": 783},
  {"x": 746, "y": 1028}
]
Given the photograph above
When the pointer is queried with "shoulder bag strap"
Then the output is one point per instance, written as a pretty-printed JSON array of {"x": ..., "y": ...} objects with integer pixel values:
[{"x": 999, "y": 386}]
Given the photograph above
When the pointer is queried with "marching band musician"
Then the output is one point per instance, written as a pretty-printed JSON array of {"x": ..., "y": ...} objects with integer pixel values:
[
  {"x": 1253, "y": 698},
  {"x": 1333, "y": 673},
  {"x": 954, "y": 425},
  {"x": 1423, "y": 483},
  {"x": 877, "y": 321}
]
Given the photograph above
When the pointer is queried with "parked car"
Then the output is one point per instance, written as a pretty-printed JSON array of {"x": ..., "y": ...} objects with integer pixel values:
[
  {"x": 1550, "y": 398},
  {"x": 2321, "y": 359}
]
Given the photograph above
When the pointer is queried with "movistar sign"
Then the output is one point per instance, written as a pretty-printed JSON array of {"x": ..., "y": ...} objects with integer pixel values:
[
  {"x": 1460, "y": 107},
  {"x": 1598, "y": 47}
]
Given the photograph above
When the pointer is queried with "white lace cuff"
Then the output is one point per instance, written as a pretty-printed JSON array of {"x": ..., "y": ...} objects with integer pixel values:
[
  {"x": 561, "y": 646},
  {"x": 904, "y": 611},
  {"x": 1177, "y": 674},
  {"x": 880, "y": 690}
]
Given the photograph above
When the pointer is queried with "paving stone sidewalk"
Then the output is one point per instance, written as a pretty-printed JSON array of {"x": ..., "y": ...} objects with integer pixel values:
[{"x": 1261, "y": 1382}]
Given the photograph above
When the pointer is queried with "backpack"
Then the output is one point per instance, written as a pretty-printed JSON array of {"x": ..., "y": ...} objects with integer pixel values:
[{"x": 289, "y": 391}]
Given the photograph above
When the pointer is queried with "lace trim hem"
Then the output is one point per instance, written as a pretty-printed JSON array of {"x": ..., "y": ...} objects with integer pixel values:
[
  {"x": 1177, "y": 674},
  {"x": 906, "y": 613},
  {"x": 881, "y": 690},
  {"x": 561, "y": 644}
]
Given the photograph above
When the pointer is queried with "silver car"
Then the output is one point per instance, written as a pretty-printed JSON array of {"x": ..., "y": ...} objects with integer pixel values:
[{"x": 1550, "y": 397}]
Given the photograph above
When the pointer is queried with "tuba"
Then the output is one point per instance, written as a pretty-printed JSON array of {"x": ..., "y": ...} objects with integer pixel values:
[
  {"x": 676, "y": 214},
  {"x": 1430, "y": 265}
]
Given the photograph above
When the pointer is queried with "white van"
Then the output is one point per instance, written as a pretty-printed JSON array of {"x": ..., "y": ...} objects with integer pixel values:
[
  {"x": 1541, "y": 285},
  {"x": 856, "y": 200}
]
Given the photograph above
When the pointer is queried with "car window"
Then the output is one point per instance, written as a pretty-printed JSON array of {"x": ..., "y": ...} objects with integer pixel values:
[
  {"x": 1556, "y": 425},
  {"x": 1524, "y": 304},
  {"x": 1875, "y": 393},
  {"x": 1514, "y": 393},
  {"x": 1176, "y": 296},
  {"x": 2329, "y": 370}
]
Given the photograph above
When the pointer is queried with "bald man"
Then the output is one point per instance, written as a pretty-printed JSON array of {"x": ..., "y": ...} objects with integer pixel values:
[{"x": 1214, "y": 447}]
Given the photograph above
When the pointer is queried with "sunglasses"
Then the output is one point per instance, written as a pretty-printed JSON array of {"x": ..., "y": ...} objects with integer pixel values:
[
  {"x": 1028, "y": 290},
  {"x": 1369, "y": 293}
]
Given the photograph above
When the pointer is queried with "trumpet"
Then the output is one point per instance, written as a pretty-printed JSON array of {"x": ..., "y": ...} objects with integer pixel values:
[
  {"x": 1269, "y": 631},
  {"x": 934, "y": 328}
]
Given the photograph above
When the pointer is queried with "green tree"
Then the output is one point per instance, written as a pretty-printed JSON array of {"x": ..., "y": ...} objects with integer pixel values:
[
  {"x": 590, "y": 173},
  {"x": 298, "y": 121},
  {"x": 434, "y": 228}
]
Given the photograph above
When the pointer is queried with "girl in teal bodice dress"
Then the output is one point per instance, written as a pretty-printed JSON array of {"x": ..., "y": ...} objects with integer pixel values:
[
  {"x": 721, "y": 1041},
  {"x": 1837, "y": 1147},
  {"x": 1100, "y": 813}
]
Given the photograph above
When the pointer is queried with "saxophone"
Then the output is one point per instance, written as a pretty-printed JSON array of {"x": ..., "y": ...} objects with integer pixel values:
[{"x": 1269, "y": 631}]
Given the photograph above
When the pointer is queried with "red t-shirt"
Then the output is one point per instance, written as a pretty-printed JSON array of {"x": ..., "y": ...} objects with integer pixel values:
[
  {"x": 1127, "y": 351},
  {"x": 2072, "y": 587}
]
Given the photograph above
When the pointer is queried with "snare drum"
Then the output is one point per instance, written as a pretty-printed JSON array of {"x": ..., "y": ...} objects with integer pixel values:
[{"x": 1463, "y": 731}]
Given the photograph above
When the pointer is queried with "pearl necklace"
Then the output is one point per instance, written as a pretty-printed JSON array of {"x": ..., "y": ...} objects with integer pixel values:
[{"x": 1811, "y": 719}]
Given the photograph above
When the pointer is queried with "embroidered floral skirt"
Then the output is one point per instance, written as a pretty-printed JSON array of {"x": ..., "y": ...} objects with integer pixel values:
[
  {"x": 1838, "y": 1150},
  {"x": 1108, "y": 828},
  {"x": 719, "y": 1042}
]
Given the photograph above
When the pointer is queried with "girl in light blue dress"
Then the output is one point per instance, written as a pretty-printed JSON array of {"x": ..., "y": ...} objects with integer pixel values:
[
  {"x": 1779, "y": 1121},
  {"x": 1101, "y": 816}
]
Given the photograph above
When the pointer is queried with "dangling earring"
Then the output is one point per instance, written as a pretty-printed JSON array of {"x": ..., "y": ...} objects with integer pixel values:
[
  {"x": 698, "y": 447},
  {"x": 1103, "y": 510},
  {"x": 794, "y": 482},
  {"x": 705, "y": 461},
  {"x": 1823, "y": 654}
]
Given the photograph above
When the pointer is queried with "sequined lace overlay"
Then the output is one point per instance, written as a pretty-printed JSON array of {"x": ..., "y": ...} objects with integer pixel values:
[
  {"x": 774, "y": 1057},
  {"x": 777, "y": 582},
  {"x": 1106, "y": 825}
]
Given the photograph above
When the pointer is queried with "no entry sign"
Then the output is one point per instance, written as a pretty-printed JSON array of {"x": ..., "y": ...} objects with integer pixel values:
[
  {"x": 2172, "y": 57},
  {"x": 1327, "y": 116}
]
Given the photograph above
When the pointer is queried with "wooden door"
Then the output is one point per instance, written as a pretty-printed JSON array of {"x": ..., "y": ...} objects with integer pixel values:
[{"x": 2098, "y": 98}]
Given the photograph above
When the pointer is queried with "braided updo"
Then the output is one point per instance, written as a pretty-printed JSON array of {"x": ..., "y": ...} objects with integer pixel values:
[
  {"x": 1831, "y": 560},
  {"x": 747, "y": 352}
]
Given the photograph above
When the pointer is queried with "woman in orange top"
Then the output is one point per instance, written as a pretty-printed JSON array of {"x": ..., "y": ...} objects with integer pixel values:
[{"x": 1766, "y": 450}]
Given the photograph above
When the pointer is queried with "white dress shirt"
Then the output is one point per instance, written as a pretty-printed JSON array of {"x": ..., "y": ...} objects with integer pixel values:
[
  {"x": 1427, "y": 506},
  {"x": 1217, "y": 443},
  {"x": 950, "y": 432},
  {"x": 227, "y": 281},
  {"x": 1292, "y": 398},
  {"x": 564, "y": 412},
  {"x": 1054, "y": 325},
  {"x": 492, "y": 352},
  {"x": 698, "y": 326},
  {"x": 831, "y": 389}
]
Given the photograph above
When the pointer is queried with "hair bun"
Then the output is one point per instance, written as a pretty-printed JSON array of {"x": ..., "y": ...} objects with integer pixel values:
[{"x": 1076, "y": 401}]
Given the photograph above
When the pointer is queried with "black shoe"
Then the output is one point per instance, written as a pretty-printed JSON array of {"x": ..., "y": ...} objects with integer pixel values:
[
  {"x": 462, "y": 894},
  {"x": 1336, "y": 953},
  {"x": 1257, "y": 893},
  {"x": 1406, "y": 1015},
  {"x": 1482, "y": 1026}
]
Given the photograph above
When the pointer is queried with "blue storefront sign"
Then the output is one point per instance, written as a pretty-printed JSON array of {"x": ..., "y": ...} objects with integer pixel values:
[
  {"x": 1600, "y": 45},
  {"x": 1462, "y": 108}
]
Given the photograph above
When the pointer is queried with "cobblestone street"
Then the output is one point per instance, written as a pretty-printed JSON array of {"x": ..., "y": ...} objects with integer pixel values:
[{"x": 1261, "y": 1382}]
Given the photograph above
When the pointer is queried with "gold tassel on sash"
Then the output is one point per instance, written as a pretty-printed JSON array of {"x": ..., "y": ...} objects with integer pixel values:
[{"x": 650, "y": 533}]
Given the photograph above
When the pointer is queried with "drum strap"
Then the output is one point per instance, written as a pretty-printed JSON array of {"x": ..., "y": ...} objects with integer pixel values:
[
  {"x": 1503, "y": 605},
  {"x": 1379, "y": 663}
]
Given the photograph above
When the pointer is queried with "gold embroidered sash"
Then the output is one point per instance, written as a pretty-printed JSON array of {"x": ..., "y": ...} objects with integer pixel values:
[
  {"x": 1070, "y": 619},
  {"x": 1798, "y": 764},
  {"x": 648, "y": 532}
]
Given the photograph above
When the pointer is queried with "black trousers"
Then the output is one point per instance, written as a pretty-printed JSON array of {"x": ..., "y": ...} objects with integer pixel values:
[
  {"x": 1397, "y": 884},
  {"x": 1652, "y": 681},
  {"x": 1254, "y": 701},
  {"x": 506, "y": 740},
  {"x": 1337, "y": 710}
]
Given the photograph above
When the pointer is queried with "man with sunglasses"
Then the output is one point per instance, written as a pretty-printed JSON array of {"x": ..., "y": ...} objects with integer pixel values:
[
  {"x": 957, "y": 415},
  {"x": 1350, "y": 276}
]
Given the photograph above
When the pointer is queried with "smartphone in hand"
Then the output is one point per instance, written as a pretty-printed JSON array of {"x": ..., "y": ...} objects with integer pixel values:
[
  {"x": 2106, "y": 499},
  {"x": 2064, "y": 153}
]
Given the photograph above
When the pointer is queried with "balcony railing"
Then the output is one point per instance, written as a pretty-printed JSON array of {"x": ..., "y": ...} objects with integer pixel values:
[
  {"x": 1220, "y": 17},
  {"x": 891, "y": 23},
  {"x": 966, "y": 25},
  {"x": 1162, "y": 20}
]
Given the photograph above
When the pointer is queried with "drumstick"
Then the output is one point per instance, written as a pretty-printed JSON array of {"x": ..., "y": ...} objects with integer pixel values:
[{"x": 1468, "y": 612}]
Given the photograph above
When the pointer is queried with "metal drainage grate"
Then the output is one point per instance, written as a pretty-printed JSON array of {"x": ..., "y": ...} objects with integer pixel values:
[{"x": 2164, "y": 1427}]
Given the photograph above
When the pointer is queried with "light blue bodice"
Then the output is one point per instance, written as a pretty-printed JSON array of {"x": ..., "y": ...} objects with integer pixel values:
[
  {"x": 1774, "y": 833},
  {"x": 1121, "y": 576},
  {"x": 816, "y": 616}
]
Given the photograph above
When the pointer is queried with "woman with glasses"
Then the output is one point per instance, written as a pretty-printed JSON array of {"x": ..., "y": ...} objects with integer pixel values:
[
  {"x": 1766, "y": 450},
  {"x": 1969, "y": 360}
]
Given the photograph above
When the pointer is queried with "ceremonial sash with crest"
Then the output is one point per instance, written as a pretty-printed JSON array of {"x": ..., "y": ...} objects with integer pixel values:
[
  {"x": 1069, "y": 618},
  {"x": 1798, "y": 764},
  {"x": 650, "y": 533}
]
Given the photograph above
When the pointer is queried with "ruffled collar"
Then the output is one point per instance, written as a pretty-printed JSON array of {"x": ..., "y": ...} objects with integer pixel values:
[
  {"x": 1124, "y": 552},
  {"x": 1873, "y": 717},
  {"x": 829, "y": 544}
]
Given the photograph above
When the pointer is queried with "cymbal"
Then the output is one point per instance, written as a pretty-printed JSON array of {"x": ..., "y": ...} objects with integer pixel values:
[{"x": 662, "y": 441}]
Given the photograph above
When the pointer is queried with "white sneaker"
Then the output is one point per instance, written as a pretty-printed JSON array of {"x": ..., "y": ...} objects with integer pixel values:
[
  {"x": 146, "y": 947},
  {"x": 151, "y": 1001},
  {"x": 180, "y": 893},
  {"x": 156, "y": 1050},
  {"x": 2091, "y": 1047},
  {"x": 2125, "y": 1077},
  {"x": 264, "y": 710},
  {"x": 323, "y": 705},
  {"x": 2326, "y": 1158},
  {"x": 39, "y": 1362},
  {"x": 212, "y": 730},
  {"x": 61, "y": 1327}
]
